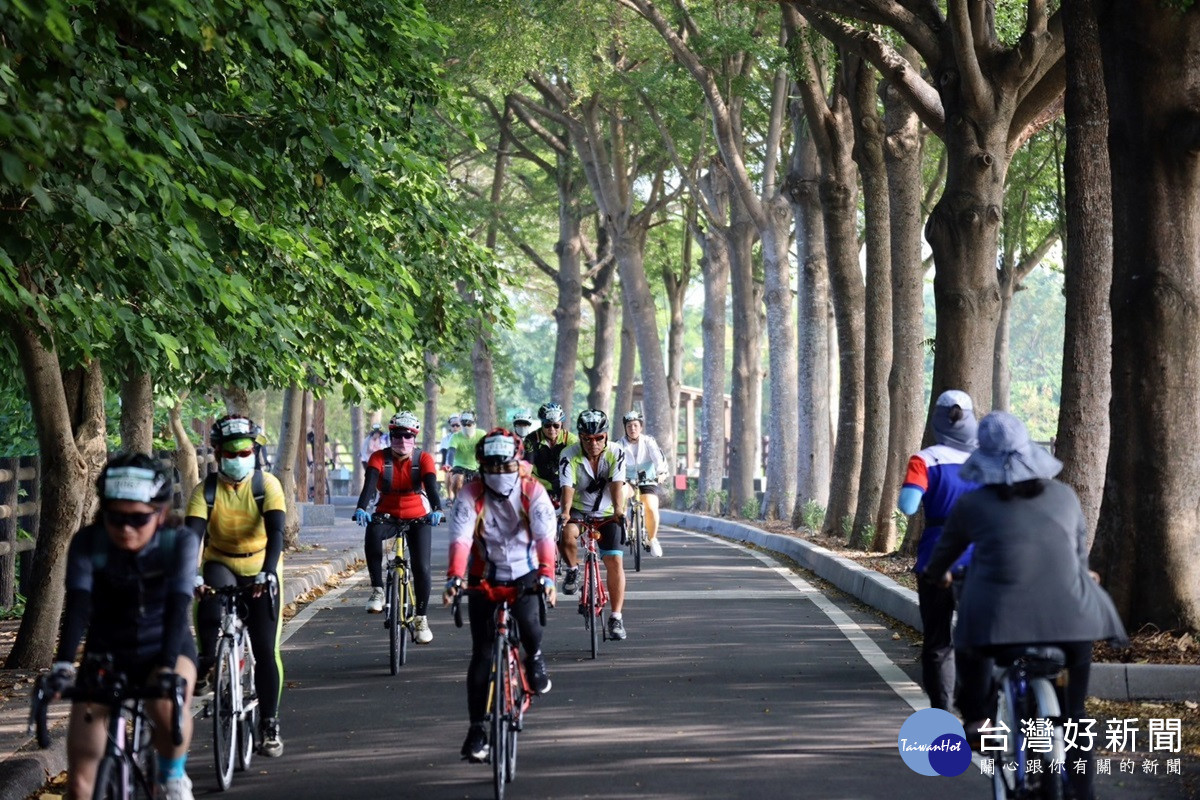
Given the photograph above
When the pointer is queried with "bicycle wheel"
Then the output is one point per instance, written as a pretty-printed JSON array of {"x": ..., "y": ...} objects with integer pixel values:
[
  {"x": 639, "y": 536},
  {"x": 593, "y": 610},
  {"x": 1004, "y": 782},
  {"x": 224, "y": 723},
  {"x": 395, "y": 639},
  {"x": 109, "y": 778},
  {"x": 145, "y": 759},
  {"x": 1051, "y": 784},
  {"x": 515, "y": 701},
  {"x": 408, "y": 613},
  {"x": 248, "y": 725},
  {"x": 499, "y": 721}
]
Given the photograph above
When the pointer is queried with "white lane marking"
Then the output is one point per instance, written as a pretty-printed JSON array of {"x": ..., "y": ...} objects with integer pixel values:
[
  {"x": 323, "y": 602},
  {"x": 709, "y": 594},
  {"x": 893, "y": 676}
]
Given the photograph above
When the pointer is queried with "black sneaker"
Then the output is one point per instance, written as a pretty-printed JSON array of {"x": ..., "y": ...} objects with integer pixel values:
[
  {"x": 475, "y": 748},
  {"x": 616, "y": 629},
  {"x": 272, "y": 745},
  {"x": 571, "y": 584},
  {"x": 535, "y": 668}
]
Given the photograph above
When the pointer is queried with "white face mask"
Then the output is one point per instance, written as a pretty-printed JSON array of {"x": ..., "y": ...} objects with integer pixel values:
[
  {"x": 237, "y": 468},
  {"x": 501, "y": 484},
  {"x": 521, "y": 429}
]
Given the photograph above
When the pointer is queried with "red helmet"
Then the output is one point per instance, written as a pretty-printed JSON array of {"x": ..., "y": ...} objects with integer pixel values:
[{"x": 499, "y": 446}]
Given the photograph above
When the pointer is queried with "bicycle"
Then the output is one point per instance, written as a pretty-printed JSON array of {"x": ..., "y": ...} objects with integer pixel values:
[
  {"x": 234, "y": 704},
  {"x": 594, "y": 594},
  {"x": 636, "y": 541},
  {"x": 399, "y": 596},
  {"x": 129, "y": 766},
  {"x": 509, "y": 693},
  {"x": 1024, "y": 691}
]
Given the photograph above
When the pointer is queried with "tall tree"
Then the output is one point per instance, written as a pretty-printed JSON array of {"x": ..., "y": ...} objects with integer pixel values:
[{"x": 1146, "y": 543}]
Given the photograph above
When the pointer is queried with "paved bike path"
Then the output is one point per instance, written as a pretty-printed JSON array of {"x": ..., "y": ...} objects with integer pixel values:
[{"x": 733, "y": 683}]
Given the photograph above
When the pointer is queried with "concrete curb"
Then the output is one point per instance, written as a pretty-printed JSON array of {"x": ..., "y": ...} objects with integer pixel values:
[
  {"x": 1122, "y": 682},
  {"x": 318, "y": 574}
]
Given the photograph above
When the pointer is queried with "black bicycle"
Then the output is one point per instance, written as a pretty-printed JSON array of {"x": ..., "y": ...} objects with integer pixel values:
[{"x": 129, "y": 767}]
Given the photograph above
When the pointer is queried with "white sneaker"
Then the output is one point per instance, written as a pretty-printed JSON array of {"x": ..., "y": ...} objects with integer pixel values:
[
  {"x": 375, "y": 601},
  {"x": 655, "y": 548},
  {"x": 177, "y": 789},
  {"x": 424, "y": 635}
]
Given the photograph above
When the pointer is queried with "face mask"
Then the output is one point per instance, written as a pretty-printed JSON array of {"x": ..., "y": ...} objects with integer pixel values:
[
  {"x": 521, "y": 430},
  {"x": 403, "y": 446},
  {"x": 502, "y": 484},
  {"x": 237, "y": 468}
]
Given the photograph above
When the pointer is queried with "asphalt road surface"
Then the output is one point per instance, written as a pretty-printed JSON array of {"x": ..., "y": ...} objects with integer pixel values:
[{"x": 737, "y": 681}]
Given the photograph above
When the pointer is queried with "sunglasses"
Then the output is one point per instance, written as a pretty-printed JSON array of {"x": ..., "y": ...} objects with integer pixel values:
[
  {"x": 134, "y": 519},
  {"x": 406, "y": 435},
  {"x": 456, "y": 425},
  {"x": 552, "y": 425},
  {"x": 593, "y": 439},
  {"x": 237, "y": 453}
]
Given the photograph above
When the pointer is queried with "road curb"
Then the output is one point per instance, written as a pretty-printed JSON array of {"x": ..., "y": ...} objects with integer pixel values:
[
  {"x": 317, "y": 575},
  {"x": 1122, "y": 682}
]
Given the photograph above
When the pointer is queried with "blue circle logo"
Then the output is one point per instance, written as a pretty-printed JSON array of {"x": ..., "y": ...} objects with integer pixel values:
[{"x": 933, "y": 742}]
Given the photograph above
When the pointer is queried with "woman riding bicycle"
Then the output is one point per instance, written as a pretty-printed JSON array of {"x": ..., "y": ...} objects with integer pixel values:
[
  {"x": 1029, "y": 581},
  {"x": 239, "y": 513},
  {"x": 129, "y": 587},
  {"x": 644, "y": 456},
  {"x": 407, "y": 491},
  {"x": 502, "y": 531}
]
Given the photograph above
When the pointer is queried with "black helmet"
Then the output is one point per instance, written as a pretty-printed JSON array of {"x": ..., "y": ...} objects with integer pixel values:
[
  {"x": 551, "y": 412},
  {"x": 134, "y": 476},
  {"x": 230, "y": 427},
  {"x": 500, "y": 446},
  {"x": 592, "y": 422}
]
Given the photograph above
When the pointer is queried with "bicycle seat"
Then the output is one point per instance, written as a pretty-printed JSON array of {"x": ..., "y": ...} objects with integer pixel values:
[{"x": 1039, "y": 660}]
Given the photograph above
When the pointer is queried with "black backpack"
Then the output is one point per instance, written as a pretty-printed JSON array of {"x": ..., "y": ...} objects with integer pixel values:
[
  {"x": 416, "y": 471},
  {"x": 257, "y": 486}
]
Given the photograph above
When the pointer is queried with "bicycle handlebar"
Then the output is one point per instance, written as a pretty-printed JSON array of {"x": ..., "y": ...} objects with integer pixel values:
[
  {"x": 113, "y": 691},
  {"x": 456, "y": 603}
]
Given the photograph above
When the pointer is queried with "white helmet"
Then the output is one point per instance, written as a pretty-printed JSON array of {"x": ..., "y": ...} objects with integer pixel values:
[{"x": 405, "y": 420}]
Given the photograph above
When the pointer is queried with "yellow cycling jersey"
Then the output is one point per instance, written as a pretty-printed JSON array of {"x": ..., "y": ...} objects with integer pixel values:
[{"x": 237, "y": 536}]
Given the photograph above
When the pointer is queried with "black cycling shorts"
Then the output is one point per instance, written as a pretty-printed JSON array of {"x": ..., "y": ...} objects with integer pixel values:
[
  {"x": 648, "y": 488},
  {"x": 612, "y": 535}
]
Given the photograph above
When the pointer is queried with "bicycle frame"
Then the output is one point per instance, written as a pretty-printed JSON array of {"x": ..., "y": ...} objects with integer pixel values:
[
  {"x": 399, "y": 598},
  {"x": 1024, "y": 691},
  {"x": 593, "y": 594}
]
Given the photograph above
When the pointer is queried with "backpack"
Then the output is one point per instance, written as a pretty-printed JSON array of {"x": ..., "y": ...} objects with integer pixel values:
[
  {"x": 528, "y": 486},
  {"x": 257, "y": 486},
  {"x": 415, "y": 480}
]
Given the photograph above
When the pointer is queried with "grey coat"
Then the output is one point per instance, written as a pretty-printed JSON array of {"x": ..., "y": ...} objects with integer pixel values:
[{"x": 1028, "y": 580}]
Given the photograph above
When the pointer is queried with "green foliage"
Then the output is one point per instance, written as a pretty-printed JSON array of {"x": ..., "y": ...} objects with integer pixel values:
[
  {"x": 716, "y": 501},
  {"x": 813, "y": 515},
  {"x": 691, "y": 496},
  {"x": 900, "y": 520},
  {"x": 847, "y": 525},
  {"x": 751, "y": 508}
]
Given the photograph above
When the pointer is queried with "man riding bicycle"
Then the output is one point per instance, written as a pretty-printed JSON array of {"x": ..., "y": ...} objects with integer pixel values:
[
  {"x": 239, "y": 513},
  {"x": 406, "y": 479},
  {"x": 522, "y": 423},
  {"x": 543, "y": 448},
  {"x": 592, "y": 474},
  {"x": 644, "y": 456},
  {"x": 502, "y": 531},
  {"x": 462, "y": 451},
  {"x": 129, "y": 587},
  {"x": 444, "y": 450}
]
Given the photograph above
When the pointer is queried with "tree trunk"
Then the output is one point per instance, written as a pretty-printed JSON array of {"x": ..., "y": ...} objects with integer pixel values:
[
  {"x": 302, "y": 453},
  {"x": 714, "y": 265},
  {"x": 137, "y": 413},
  {"x": 570, "y": 289},
  {"x": 906, "y": 384},
  {"x": 186, "y": 463},
  {"x": 780, "y": 496},
  {"x": 744, "y": 435},
  {"x": 1001, "y": 349},
  {"x": 485, "y": 384},
  {"x": 677, "y": 287},
  {"x": 319, "y": 465},
  {"x": 604, "y": 312},
  {"x": 1083, "y": 429},
  {"x": 68, "y": 411},
  {"x": 628, "y": 364},
  {"x": 358, "y": 433},
  {"x": 868, "y": 153},
  {"x": 291, "y": 435},
  {"x": 430, "y": 426},
  {"x": 237, "y": 400},
  {"x": 1146, "y": 544},
  {"x": 812, "y": 323}
]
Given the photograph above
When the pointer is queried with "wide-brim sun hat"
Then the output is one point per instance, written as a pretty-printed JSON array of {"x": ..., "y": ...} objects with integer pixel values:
[{"x": 1006, "y": 454}]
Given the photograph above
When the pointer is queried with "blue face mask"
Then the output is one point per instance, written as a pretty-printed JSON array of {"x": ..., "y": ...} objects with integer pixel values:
[{"x": 237, "y": 469}]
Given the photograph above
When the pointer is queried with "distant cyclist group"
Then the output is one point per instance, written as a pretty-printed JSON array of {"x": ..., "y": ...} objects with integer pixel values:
[{"x": 138, "y": 572}]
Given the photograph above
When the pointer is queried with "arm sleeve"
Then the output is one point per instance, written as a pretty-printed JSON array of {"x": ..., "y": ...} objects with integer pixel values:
[
  {"x": 179, "y": 596},
  {"x": 542, "y": 526},
  {"x": 369, "y": 484},
  {"x": 950, "y": 544},
  {"x": 75, "y": 620},
  {"x": 660, "y": 462},
  {"x": 462, "y": 528},
  {"x": 431, "y": 491},
  {"x": 910, "y": 499},
  {"x": 273, "y": 521}
]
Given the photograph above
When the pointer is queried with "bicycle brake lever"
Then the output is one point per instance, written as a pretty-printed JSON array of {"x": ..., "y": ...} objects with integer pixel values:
[
  {"x": 179, "y": 687},
  {"x": 456, "y": 609}
]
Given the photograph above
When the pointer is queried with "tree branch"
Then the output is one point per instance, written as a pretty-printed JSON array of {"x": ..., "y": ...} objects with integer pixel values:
[
  {"x": 970, "y": 74},
  {"x": 521, "y": 106},
  {"x": 529, "y": 252},
  {"x": 688, "y": 174},
  {"x": 1032, "y": 259},
  {"x": 917, "y": 30},
  {"x": 1040, "y": 107}
]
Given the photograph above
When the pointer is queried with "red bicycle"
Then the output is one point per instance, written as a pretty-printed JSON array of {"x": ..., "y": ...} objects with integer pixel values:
[
  {"x": 593, "y": 596},
  {"x": 509, "y": 694}
]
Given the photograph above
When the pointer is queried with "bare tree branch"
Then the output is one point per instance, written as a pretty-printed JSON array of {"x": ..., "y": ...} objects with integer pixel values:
[
  {"x": 1040, "y": 107},
  {"x": 529, "y": 252},
  {"x": 689, "y": 174},
  {"x": 970, "y": 74},
  {"x": 1032, "y": 259},
  {"x": 918, "y": 30},
  {"x": 521, "y": 107}
]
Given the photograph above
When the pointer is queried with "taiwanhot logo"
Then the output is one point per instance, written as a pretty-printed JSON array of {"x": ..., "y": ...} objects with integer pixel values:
[{"x": 933, "y": 742}]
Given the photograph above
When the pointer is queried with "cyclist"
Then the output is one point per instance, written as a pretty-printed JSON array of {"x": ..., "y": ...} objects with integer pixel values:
[
  {"x": 502, "y": 531},
  {"x": 586, "y": 469},
  {"x": 393, "y": 471},
  {"x": 239, "y": 513},
  {"x": 642, "y": 454},
  {"x": 444, "y": 450},
  {"x": 542, "y": 449},
  {"x": 934, "y": 478},
  {"x": 376, "y": 440},
  {"x": 462, "y": 451},
  {"x": 522, "y": 422},
  {"x": 1029, "y": 581},
  {"x": 129, "y": 587}
]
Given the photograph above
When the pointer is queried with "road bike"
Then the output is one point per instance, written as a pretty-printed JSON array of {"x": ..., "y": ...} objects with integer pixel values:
[
  {"x": 509, "y": 693},
  {"x": 636, "y": 541},
  {"x": 399, "y": 596},
  {"x": 1024, "y": 690},
  {"x": 234, "y": 704},
  {"x": 129, "y": 767},
  {"x": 593, "y": 595}
]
